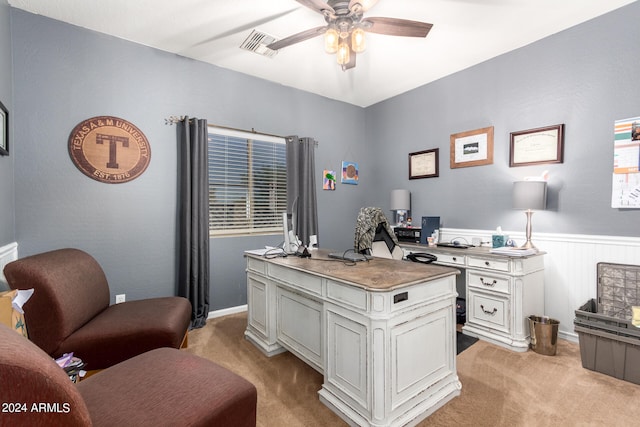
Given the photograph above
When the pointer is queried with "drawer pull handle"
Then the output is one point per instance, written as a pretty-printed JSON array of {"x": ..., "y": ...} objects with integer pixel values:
[
  {"x": 455, "y": 259},
  {"x": 492, "y": 284},
  {"x": 487, "y": 263},
  {"x": 492, "y": 313}
]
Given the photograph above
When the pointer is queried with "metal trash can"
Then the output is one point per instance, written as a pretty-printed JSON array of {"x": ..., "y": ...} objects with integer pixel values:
[{"x": 544, "y": 334}]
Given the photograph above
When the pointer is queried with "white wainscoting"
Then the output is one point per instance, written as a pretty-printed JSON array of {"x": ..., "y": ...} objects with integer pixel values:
[
  {"x": 570, "y": 267},
  {"x": 8, "y": 253}
]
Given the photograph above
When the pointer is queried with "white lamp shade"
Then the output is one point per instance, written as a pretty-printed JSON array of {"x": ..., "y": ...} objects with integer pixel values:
[
  {"x": 530, "y": 195},
  {"x": 400, "y": 200}
]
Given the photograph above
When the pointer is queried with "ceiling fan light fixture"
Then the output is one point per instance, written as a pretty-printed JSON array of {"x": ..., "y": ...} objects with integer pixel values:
[
  {"x": 344, "y": 33},
  {"x": 344, "y": 55},
  {"x": 358, "y": 41},
  {"x": 331, "y": 39}
]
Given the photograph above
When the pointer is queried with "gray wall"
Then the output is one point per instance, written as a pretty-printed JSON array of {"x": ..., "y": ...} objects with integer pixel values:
[
  {"x": 64, "y": 74},
  {"x": 7, "y": 227},
  {"x": 585, "y": 77}
]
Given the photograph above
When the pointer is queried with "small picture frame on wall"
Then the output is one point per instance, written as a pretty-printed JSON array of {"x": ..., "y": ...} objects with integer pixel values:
[
  {"x": 350, "y": 172},
  {"x": 4, "y": 130},
  {"x": 537, "y": 146},
  {"x": 472, "y": 148},
  {"x": 424, "y": 164}
]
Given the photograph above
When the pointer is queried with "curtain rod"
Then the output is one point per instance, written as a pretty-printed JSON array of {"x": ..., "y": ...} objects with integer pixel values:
[
  {"x": 175, "y": 119},
  {"x": 253, "y": 131}
]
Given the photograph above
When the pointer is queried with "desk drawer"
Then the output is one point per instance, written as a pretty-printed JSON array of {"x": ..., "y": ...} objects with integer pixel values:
[
  {"x": 488, "y": 263},
  {"x": 256, "y": 265},
  {"x": 351, "y": 295},
  {"x": 488, "y": 310},
  {"x": 453, "y": 259},
  {"x": 309, "y": 282},
  {"x": 488, "y": 282}
]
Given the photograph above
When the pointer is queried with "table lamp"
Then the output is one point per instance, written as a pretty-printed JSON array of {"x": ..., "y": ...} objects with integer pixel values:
[
  {"x": 400, "y": 204},
  {"x": 531, "y": 196}
]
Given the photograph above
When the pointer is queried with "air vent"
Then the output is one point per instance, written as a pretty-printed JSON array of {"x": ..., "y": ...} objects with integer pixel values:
[{"x": 257, "y": 42}]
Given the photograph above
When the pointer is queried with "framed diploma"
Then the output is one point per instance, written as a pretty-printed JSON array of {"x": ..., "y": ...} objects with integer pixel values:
[
  {"x": 537, "y": 146},
  {"x": 423, "y": 164},
  {"x": 471, "y": 148}
]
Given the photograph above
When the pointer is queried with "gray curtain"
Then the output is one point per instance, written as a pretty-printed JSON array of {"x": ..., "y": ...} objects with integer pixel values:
[
  {"x": 193, "y": 228},
  {"x": 301, "y": 186}
]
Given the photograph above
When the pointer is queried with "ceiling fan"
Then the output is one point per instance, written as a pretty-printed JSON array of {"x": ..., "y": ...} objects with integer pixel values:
[{"x": 344, "y": 33}]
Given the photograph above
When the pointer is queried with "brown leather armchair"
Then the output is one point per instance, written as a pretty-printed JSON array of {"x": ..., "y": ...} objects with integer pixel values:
[
  {"x": 69, "y": 311},
  {"x": 165, "y": 387}
]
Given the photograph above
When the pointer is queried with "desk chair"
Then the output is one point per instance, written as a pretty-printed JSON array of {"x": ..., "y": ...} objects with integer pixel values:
[{"x": 374, "y": 236}]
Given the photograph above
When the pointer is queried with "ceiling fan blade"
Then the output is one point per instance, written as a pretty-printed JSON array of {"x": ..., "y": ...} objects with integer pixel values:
[
  {"x": 297, "y": 38},
  {"x": 396, "y": 27},
  {"x": 245, "y": 27},
  {"x": 364, "y": 4},
  {"x": 317, "y": 5}
]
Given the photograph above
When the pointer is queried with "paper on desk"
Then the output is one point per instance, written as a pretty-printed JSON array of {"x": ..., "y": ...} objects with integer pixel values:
[
  {"x": 506, "y": 250},
  {"x": 22, "y": 296},
  {"x": 256, "y": 251}
]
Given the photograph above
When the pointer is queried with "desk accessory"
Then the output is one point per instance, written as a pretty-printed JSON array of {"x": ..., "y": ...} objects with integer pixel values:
[
  {"x": 429, "y": 225},
  {"x": 400, "y": 204},
  {"x": 530, "y": 196}
]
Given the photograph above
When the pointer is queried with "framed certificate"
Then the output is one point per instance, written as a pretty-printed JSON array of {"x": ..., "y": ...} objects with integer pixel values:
[
  {"x": 423, "y": 164},
  {"x": 537, "y": 146}
]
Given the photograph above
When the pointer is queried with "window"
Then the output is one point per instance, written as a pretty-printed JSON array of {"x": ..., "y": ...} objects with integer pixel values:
[{"x": 247, "y": 182}]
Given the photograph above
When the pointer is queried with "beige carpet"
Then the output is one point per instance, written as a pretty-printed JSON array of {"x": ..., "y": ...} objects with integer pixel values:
[{"x": 499, "y": 387}]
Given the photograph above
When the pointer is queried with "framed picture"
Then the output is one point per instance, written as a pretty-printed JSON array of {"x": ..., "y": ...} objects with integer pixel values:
[
  {"x": 423, "y": 164},
  {"x": 328, "y": 180},
  {"x": 350, "y": 173},
  {"x": 536, "y": 146},
  {"x": 4, "y": 130},
  {"x": 472, "y": 148}
]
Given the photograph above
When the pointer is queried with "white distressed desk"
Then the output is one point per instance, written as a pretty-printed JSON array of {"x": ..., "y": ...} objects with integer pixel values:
[
  {"x": 501, "y": 292},
  {"x": 381, "y": 332}
]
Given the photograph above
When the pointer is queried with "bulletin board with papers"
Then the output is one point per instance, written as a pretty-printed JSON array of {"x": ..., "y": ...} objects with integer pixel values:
[{"x": 626, "y": 164}]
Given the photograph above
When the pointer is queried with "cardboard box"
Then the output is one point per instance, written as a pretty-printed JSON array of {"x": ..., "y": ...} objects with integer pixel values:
[{"x": 9, "y": 315}]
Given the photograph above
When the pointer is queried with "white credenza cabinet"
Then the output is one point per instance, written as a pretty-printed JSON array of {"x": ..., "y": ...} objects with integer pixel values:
[
  {"x": 501, "y": 292},
  {"x": 387, "y": 355}
]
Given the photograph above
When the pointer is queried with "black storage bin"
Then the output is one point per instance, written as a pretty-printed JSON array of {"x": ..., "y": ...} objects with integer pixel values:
[{"x": 609, "y": 343}]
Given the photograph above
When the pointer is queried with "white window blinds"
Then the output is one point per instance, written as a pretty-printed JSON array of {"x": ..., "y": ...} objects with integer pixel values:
[{"x": 247, "y": 182}]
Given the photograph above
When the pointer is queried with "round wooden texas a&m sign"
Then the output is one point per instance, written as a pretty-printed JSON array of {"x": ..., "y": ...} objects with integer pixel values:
[{"x": 109, "y": 149}]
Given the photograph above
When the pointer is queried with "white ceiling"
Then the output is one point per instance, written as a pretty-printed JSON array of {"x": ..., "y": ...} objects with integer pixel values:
[{"x": 464, "y": 33}]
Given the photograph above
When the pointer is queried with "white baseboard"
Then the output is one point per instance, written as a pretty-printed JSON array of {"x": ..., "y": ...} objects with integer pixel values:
[
  {"x": 227, "y": 311},
  {"x": 568, "y": 336}
]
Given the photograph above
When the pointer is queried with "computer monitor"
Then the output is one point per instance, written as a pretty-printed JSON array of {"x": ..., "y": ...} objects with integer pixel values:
[
  {"x": 291, "y": 242},
  {"x": 287, "y": 231}
]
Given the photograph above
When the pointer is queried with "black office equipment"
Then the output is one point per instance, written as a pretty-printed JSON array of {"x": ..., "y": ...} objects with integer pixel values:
[
  {"x": 349, "y": 256},
  {"x": 422, "y": 257},
  {"x": 407, "y": 234},
  {"x": 429, "y": 225},
  {"x": 453, "y": 245}
]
